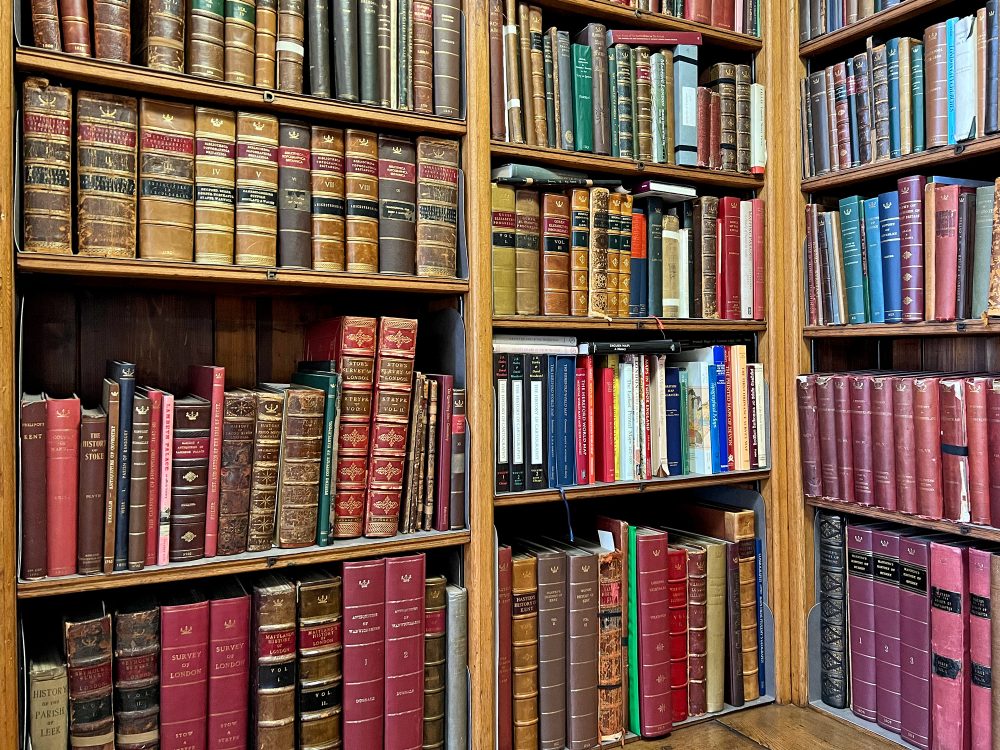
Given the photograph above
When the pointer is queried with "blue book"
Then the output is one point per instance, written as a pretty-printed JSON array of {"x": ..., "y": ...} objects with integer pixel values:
[
  {"x": 123, "y": 373},
  {"x": 686, "y": 105},
  {"x": 716, "y": 417},
  {"x": 852, "y": 116},
  {"x": 960, "y": 181},
  {"x": 917, "y": 96},
  {"x": 759, "y": 562},
  {"x": 672, "y": 408},
  {"x": 952, "y": 103},
  {"x": 566, "y": 419},
  {"x": 892, "y": 281},
  {"x": 992, "y": 65},
  {"x": 638, "y": 301},
  {"x": 715, "y": 356},
  {"x": 892, "y": 58},
  {"x": 873, "y": 253},
  {"x": 850, "y": 239},
  {"x": 551, "y": 411},
  {"x": 654, "y": 251}
]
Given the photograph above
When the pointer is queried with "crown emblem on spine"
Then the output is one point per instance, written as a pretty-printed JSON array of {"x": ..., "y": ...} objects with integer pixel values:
[
  {"x": 656, "y": 553},
  {"x": 229, "y": 624},
  {"x": 47, "y": 99},
  {"x": 187, "y": 630},
  {"x": 128, "y": 372},
  {"x": 322, "y": 598},
  {"x": 217, "y": 122},
  {"x": 364, "y": 583},
  {"x": 294, "y": 135},
  {"x": 271, "y": 408},
  {"x": 62, "y": 413},
  {"x": 191, "y": 415},
  {"x": 257, "y": 125},
  {"x": 167, "y": 117},
  {"x": 108, "y": 111},
  {"x": 585, "y": 568},
  {"x": 554, "y": 569},
  {"x": 363, "y": 141},
  {"x": 141, "y": 409},
  {"x": 406, "y": 578}
]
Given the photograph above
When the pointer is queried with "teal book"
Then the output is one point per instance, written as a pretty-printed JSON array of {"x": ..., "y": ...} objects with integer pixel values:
[
  {"x": 583, "y": 111},
  {"x": 950, "y": 56},
  {"x": 873, "y": 254},
  {"x": 329, "y": 383},
  {"x": 892, "y": 58},
  {"x": 917, "y": 87},
  {"x": 981, "y": 249},
  {"x": 850, "y": 238},
  {"x": 613, "y": 88},
  {"x": 633, "y": 636},
  {"x": 623, "y": 85}
]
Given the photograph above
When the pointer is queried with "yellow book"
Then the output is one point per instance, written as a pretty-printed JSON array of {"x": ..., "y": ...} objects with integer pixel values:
[{"x": 504, "y": 264}]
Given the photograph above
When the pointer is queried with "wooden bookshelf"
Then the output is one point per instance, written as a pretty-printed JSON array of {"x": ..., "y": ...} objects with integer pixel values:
[
  {"x": 897, "y": 14},
  {"x": 971, "y": 530},
  {"x": 974, "y": 327},
  {"x": 701, "y": 326}
]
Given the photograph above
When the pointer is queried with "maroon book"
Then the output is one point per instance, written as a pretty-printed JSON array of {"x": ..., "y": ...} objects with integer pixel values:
[
  {"x": 911, "y": 245},
  {"x": 704, "y": 107},
  {"x": 155, "y": 461},
  {"x": 228, "y": 668},
  {"x": 404, "y": 652},
  {"x": 364, "y": 654},
  {"x": 845, "y": 439},
  {"x": 885, "y": 594},
  {"x": 861, "y": 616},
  {"x": 946, "y": 250},
  {"x": 34, "y": 562},
  {"x": 184, "y": 628},
  {"x": 505, "y": 695},
  {"x": 993, "y": 423},
  {"x": 677, "y": 602},
  {"x": 442, "y": 506},
  {"x": 829, "y": 476},
  {"x": 714, "y": 130},
  {"x": 653, "y": 602},
  {"x": 209, "y": 382},
  {"x": 927, "y": 440},
  {"x": 954, "y": 450},
  {"x": 914, "y": 641},
  {"x": 977, "y": 429},
  {"x": 882, "y": 445},
  {"x": 62, "y": 455},
  {"x": 840, "y": 115},
  {"x": 805, "y": 391},
  {"x": 950, "y": 646},
  {"x": 727, "y": 280},
  {"x": 862, "y": 453},
  {"x": 980, "y": 651},
  {"x": 905, "y": 444}
]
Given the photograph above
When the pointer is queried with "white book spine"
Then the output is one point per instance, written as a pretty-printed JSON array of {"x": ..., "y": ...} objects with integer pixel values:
[
  {"x": 626, "y": 420},
  {"x": 758, "y": 144},
  {"x": 684, "y": 298},
  {"x": 763, "y": 424},
  {"x": 516, "y": 423},
  {"x": 641, "y": 394},
  {"x": 746, "y": 260},
  {"x": 659, "y": 418},
  {"x": 166, "y": 479}
]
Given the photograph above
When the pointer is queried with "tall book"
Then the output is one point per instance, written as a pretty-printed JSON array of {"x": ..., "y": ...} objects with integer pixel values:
[
  {"x": 504, "y": 254},
  {"x": 273, "y": 674},
  {"x": 404, "y": 652},
  {"x": 328, "y": 206},
  {"x": 111, "y": 404},
  {"x": 294, "y": 198},
  {"x": 209, "y": 383},
  {"x": 650, "y": 632},
  {"x": 214, "y": 185},
  {"x": 320, "y": 650},
  {"x": 240, "y": 40},
  {"x": 290, "y": 45},
  {"x": 579, "y": 279},
  {"x": 137, "y": 673},
  {"x": 361, "y": 190},
  {"x": 62, "y": 482},
  {"x": 205, "y": 55},
  {"x": 235, "y": 471},
  {"x": 329, "y": 384},
  {"x": 228, "y": 666},
  {"x": 524, "y": 644},
  {"x": 437, "y": 207},
  {"x": 256, "y": 187},
  {"x": 597, "y": 293},
  {"x": 526, "y": 251},
  {"x": 886, "y": 593},
  {"x": 189, "y": 490},
  {"x": 87, "y": 646},
  {"x": 915, "y": 637},
  {"x": 677, "y": 603},
  {"x": 184, "y": 670},
  {"x": 345, "y": 62},
  {"x": 447, "y": 59},
  {"x": 269, "y": 407},
  {"x": 32, "y": 485},
  {"x": 504, "y": 610},
  {"x": 48, "y": 167},
  {"x": 160, "y": 36},
  {"x": 166, "y": 180},
  {"x": 457, "y": 649},
  {"x": 833, "y": 622},
  {"x": 950, "y": 678},
  {"x": 397, "y": 198},
  {"x": 364, "y": 653},
  {"x": 266, "y": 43},
  {"x": 435, "y": 658},
  {"x": 980, "y": 648},
  {"x": 122, "y": 373},
  {"x": 139, "y": 470}
]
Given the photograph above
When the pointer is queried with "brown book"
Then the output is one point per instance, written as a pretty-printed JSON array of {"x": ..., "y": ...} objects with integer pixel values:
[
  {"x": 291, "y": 45},
  {"x": 160, "y": 34},
  {"x": 610, "y": 686},
  {"x": 523, "y": 22},
  {"x": 503, "y": 225},
  {"x": 48, "y": 167},
  {"x": 238, "y": 419},
  {"x": 166, "y": 180},
  {"x": 112, "y": 30},
  {"x": 189, "y": 478},
  {"x": 256, "y": 189},
  {"x": 137, "y": 673},
  {"x": 327, "y": 176},
  {"x": 697, "y": 629},
  {"x": 720, "y": 79},
  {"x": 32, "y": 485},
  {"x": 361, "y": 187},
  {"x": 579, "y": 251},
  {"x": 437, "y": 207},
  {"x": 294, "y": 199},
  {"x": 87, "y": 645},
  {"x": 537, "y": 78},
  {"x": 936, "y": 84},
  {"x": 423, "y": 56},
  {"x": 512, "y": 75},
  {"x": 48, "y": 691},
  {"x": 435, "y": 658},
  {"x": 624, "y": 257},
  {"x": 298, "y": 466},
  {"x": 614, "y": 253},
  {"x": 448, "y": 57},
  {"x": 106, "y": 174},
  {"x": 110, "y": 402},
  {"x": 74, "y": 16},
  {"x": 264, "y": 474},
  {"x": 703, "y": 292},
  {"x": 320, "y": 650},
  {"x": 240, "y": 40},
  {"x": 743, "y": 117},
  {"x": 524, "y": 650},
  {"x": 414, "y": 454},
  {"x": 272, "y": 694},
  {"x": 206, "y": 39},
  {"x": 555, "y": 254},
  {"x": 643, "y": 106},
  {"x": 429, "y": 467},
  {"x": 45, "y": 25},
  {"x": 214, "y": 185},
  {"x": 266, "y": 43},
  {"x": 397, "y": 200},
  {"x": 526, "y": 253},
  {"x": 668, "y": 105},
  {"x": 597, "y": 292},
  {"x": 93, "y": 465}
]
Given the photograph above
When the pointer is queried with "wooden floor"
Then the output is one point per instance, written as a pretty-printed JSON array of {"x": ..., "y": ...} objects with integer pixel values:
[{"x": 771, "y": 727}]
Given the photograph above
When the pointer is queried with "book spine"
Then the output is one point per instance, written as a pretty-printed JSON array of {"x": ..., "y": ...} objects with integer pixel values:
[
  {"x": 62, "y": 451},
  {"x": 92, "y": 483},
  {"x": 950, "y": 678},
  {"x": 833, "y": 617},
  {"x": 138, "y": 484},
  {"x": 302, "y": 430},
  {"x": 206, "y": 39},
  {"x": 328, "y": 205},
  {"x": 583, "y": 631},
  {"x": 446, "y": 60},
  {"x": 404, "y": 651},
  {"x": 653, "y": 625},
  {"x": 239, "y": 34},
  {"x": 266, "y": 43},
  {"x": 256, "y": 188},
  {"x": 214, "y": 185},
  {"x": 33, "y": 499},
  {"x": 397, "y": 205},
  {"x": 504, "y": 647},
  {"x": 526, "y": 252},
  {"x": 228, "y": 671},
  {"x": 45, "y": 24},
  {"x": 137, "y": 676},
  {"x": 162, "y": 44},
  {"x": 290, "y": 45},
  {"x": 597, "y": 293},
  {"x": 294, "y": 194},
  {"x": 524, "y": 650},
  {"x": 437, "y": 207},
  {"x": 435, "y": 657},
  {"x": 980, "y": 649},
  {"x": 87, "y": 644},
  {"x": 318, "y": 46},
  {"x": 320, "y": 649},
  {"x": 189, "y": 486},
  {"x": 48, "y": 167},
  {"x": 184, "y": 632},
  {"x": 583, "y": 126},
  {"x": 677, "y": 616},
  {"x": 274, "y": 667},
  {"x": 166, "y": 469},
  {"x": 364, "y": 653},
  {"x": 498, "y": 120}
]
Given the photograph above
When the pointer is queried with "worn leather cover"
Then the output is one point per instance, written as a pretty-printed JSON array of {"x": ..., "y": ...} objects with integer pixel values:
[
  {"x": 614, "y": 253},
  {"x": 861, "y": 616},
  {"x": 214, "y": 185},
  {"x": 845, "y": 438},
  {"x": 160, "y": 37},
  {"x": 228, "y": 666},
  {"x": 87, "y": 646},
  {"x": 437, "y": 207},
  {"x": 264, "y": 472},
  {"x": 34, "y": 528},
  {"x": 993, "y": 436},
  {"x": 364, "y": 653},
  {"x": 706, "y": 213},
  {"x": 428, "y": 475},
  {"x": 235, "y": 472},
  {"x": 47, "y": 196},
  {"x": 512, "y": 80},
  {"x": 643, "y": 105},
  {"x": 526, "y": 252},
  {"x": 504, "y": 645},
  {"x": 579, "y": 259},
  {"x": 456, "y": 513},
  {"x": 678, "y": 623},
  {"x": 498, "y": 117},
  {"x": 443, "y": 469},
  {"x": 885, "y": 591},
  {"x": 435, "y": 660},
  {"x": 911, "y": 245},
  {"x": 533, "y": 70},
  {"x": 834, "y": 660},
  {"x": 45, "y": 25},
  {"x": 256, "y": 189},
  {"x": 447, "y": 60},
  {"x": 240, "y": 40},
  {"x": 138, "y": 497},
  {"x": 915, "y": 636},
  {"x": 291, "y": 45},
  {"x": 927, "y": 426},
  {"x": 503, "y": 233},
  {"x": 361, "y": 184},
  {"x": 294, "y": 198},
  {"x": 721, "y": 79},
  {"x": 319, "y": 44},
  {"x": 936, "y": 84},
  {"x": 327, "y": 187},
  {"x": 594, "y": 35},
  {"x": 209, "y": 382},
  {"x": 597, "y": 291},
  {"x": 704, "y": 115},
  {"x": 137, "y": 674},
  {"x": 206, "y": 39},
  {"x": 882, "y": 442},
  {"x": 189, "y": 490},
  {"x": 977, "y": 430},
  {"x": 950, "y": 679},
  {"x": 184, "y": 660},
  {"x": 74, "y": 17},
  {"x": 904, "y": 435},
  {"x": 166, "y": 180},
  {"x": 298, "y": 467},
  {"x": 809, "y": 435},
  {"x": 404, "y": 651},
  {"x": 555, "y": 254},
  {"x": 112, "y": 30},
  {"x": 367, "y": 50},
  {"x": 62, "y": 449},
  {"x": 625, "y": 257},
  {"x": 385, "y": 19},
  {"x": 265, "y": 44},
  {"x": 744, "y": 118},
  {"x": 524, "y": 651},
  {"x": 415, "y": 452},
  {"x": 273, "y": 667},
  {"x": 320, "y": 649},
  {"x": 980, "y": 650},
  {"x": 652, "y": 601},
  {"x": 397, "y": 200},
  {"x": 697, "y": 629},
  {"x": 860, "y": 394},
  {"x": 945, "y": 250}
]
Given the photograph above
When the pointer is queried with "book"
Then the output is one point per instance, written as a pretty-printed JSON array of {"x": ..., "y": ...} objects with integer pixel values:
[
  {"x": 48, "y": 718},
  {"x": 435, "y": 659},
  {"x": 457, "y": 648},
  {"x": 397, "y": 205},
  {"x": 137, "y": 673},
  {"x": 184, "y": 669},
  {"x": 404, "y": 655},
  {"x": 328, "y": 198},
  {"x": 294, "y": 184},
  {"x": 364, "y": 590},
  {"x": 48, "y": 166},
  {"x": 256, "y": 184},
  {"x": 319, "y": 657},
  {"x": 190, "y": 469},
  {"x": 437, "y": 207},
  {"x": 524, "y": 650},
  {"x": 214, "y": 185},
  {"x": 87, "y": 646},
  {"x": 273, "y": 681},
  {"x": 228, "y": 665},
  {"x": 166, "y": 180}
]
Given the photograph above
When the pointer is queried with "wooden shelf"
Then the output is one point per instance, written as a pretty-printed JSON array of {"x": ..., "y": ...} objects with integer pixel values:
[
  {"x": 627, "y": 168},
  {"x": 141, "y": 80},
  {"x": 347, "y": 549},
  {"x": 940, "y": 156},
  {"x": 971, "y": 530},
  {"x": 571, "y": 323},
  {"x": 633, "y": 18},
  {"x": 975, "y": 327},
  {"x": 200, "y": 273},
  {"x": 873, "y": 24},
  {"x": 621, "y": 489}
]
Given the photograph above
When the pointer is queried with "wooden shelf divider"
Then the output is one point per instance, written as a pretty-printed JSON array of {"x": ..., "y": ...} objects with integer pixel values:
[
  {"x": 974, "y": 327},
  {"x": 579, "y": 323},
  {"x": 873, "y": 24}
]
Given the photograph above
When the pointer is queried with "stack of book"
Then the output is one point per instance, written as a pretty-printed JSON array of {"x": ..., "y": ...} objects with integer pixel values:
[
  {"x": 817, "y": 17},
  {"x": 903, "y": 96},
  {"x": 631, "y": 94},
  {"x": 175, "y": 182},
  {"x": 357, "y": 444},
  {"x": 661, "y": 251},
  {"x": 571, "y": 413},
  {"x": 636, "y": 632},
  {"x": 920, "y": 252},
  {"x": 921, "y": 643},
  {"x": 403, "y": 55},
  {"x": 375, "y": 650}
]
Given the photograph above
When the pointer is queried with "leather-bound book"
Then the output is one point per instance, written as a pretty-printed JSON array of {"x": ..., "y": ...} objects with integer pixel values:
[
  {"x": 914, "y": 640},
  {"x": 160, "y": 34},
  {"x": 885, "y": 596},
  {"x": 437, "y": 207},
  {"x": 522, "y": 67},
  {"x": 273, "y": 672},
  {"x": 503, "y": 225},
  {"x": 87, "y": 645},
  {"x": 457, "y": 649},
  {"x": 697, "y": 629},
  {"x": 209, "y": 383},
  {"x": 290, "y": 45},
  {"x": 992, "y": 416},
  {"x": 805, "y": 391},
  {"x": 294, "y": 199},
  {"x": 364, "y": 654},
  {"x": 137, "y": 674},
  {"x": 189, "y": 491},
  {"x": 652, "y": 632},
  {"x": 443, "y": 470},
  {"x": 980, "y": 649},
  {"x": 414, "y": 451},
  {"x": 106, "y": 174},
  {"x": 327, "y": 175},
  {"x": 92, "y": 483},
  {"x": 977, "y": 431},
  {"x": 138, "y": 497},
  {"x": 62, "y": 450},
  {"x": 946, "y": 216},
  {"x": 610, "y": 711},
  {"x": 33, "y": 503},
  {"x": 579, "y": 259},
  {"x": 532, "y": 70},
  {"x": 904, "y": 437},
  {"x": 404, "y": 652},
  {"x": 927, "y": 439},
  {"x": 318, "y": 46},
  {"x": 367, "y": 51},
  {"x": 447, "y": 61},
  {"x": 240, "y": 40},
  {"x": 593, "y": 35},
  {"x": 48, "y": 718},
  {"x": 266, "y": 44},
  {"x": 614, "y": 254},
  {"x": 704, "y": 104},
  {"x": 706, "y": 213},
  {"x": 228, "y": 666},
  {"x": 845, "y": 436},
  {"x": 995, "y": 633},
  {"x": 264, "y": 471},
  {"x": 825, "y": 415},
  {"x": 328, "y": 382},
  {"x": 206, "y": 39},
  {"x": 256, "y": 189},
  {"x": 950, "y": 678},
  {"x": 555, "y": 249},
  {"x": 345, "y": 59},
  {"x": 643, "y": 106},
  {"x": 860, "y": 397},
  {"x": 435, "y": 661},
  {"x": 524, "y": 651},
  {"x": 512, "y": 79},
  {"x": 238, "y": 415},
  {"x": 882, "y": 443},
  {"x": 45, "y": 24},
  {"x": 361, "y": 187},
  {"x": 397, "y": 202},
  {"x": 153, "y": 482},
  {"x": 728, "y": 261},
  {"x": 48, "y": 167},
  {"x": 597, "y": 292},
  {"x": 320, "y": 648},
  {"x": 861, "y": 616},
  {"x": 74, "y": 18},
  {"x": 721, "y": 79},
  {"x": 526, "y": 252},
  {"x": 504, "y": 646},
  {"x": 936, "y": 84},
  {"x": 624, "y": 112},
  {"x": 743, "y": 118},
  {"x": 625, "y": 257},
  {"x": 911, "y": 246},
  {"x": 184, "y": 669},
  {"x": 166, "y": 180},
  {"x": 214, "y": 185},
  {"x": 111, "y": 398},
  {"x": 498, "y": 118},
  {"x": 677, "y": 603}
]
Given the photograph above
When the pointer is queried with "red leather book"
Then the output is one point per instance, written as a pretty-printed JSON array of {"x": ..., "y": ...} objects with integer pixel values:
[
  {"x": 582, "y": 433},
  {"x": 914, "y": 641},
  {"x": 155, "y": 460},
  {"x": 954, "y": 455},
  {"x": 698, "y": 10},
  {"x": 911, "y": 245},
  {"x": 184, "y": 628},
  {"x": 442, "y": 508},
  {"x": 882, "y": 444},
  {"x": 949, "y": 646},
  {"x": 885, "y": 592},
  {"x": 980, "y": 651},
  {"x": 209, "y": 382},
  {"x": 677, "y": 602},
  {"x": 945, "y": 251},
  {"x": 715, "y": 130},
  {"x": 704, "y": 113},
  {"x": 505, "y": 695},
  {"x": 92, "y": 490},
  {"x": 993, "y": 430},
  {"x": 805, "y": 393},
  {"x": 757, "y": 250},
  {"x": 845, "y": 439},
  {"x": 34, "y": 561},
  {"x": 228, "y": 668},
  {"x": 727, "y": 280},
  {"x": 841, "y": 139},
  {"x": 652, "y": 599},
  {"x": 604, "y": 422},
  {"x": 364, "y": 654},
  {"x": 75, "y": 25},
  {"x": 724, "y": 14},
  {"x": 861, "y": 616},
  {"x": 927, "y": 441},
  {"x": 404, "y": 652},
  {"x": 977, "y": 429},
  {"x": 62, "y": 454},
  {"x": 905, "y": 444},
  {"x": 860, "y": 390},
  {"x": 828, "y": 472}
]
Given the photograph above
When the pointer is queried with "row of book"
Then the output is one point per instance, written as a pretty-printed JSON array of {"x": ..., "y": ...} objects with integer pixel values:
[
  {"x": 904, "y": 96},
  {"x": 923, "y": 444},
  {"x": 404, "y": 54},
  {"x": 817, "y": 17},
  {"x": 636, "y": 631},
  {"x": 372, "y": 654},
  {"x": 907, "y": 634},
  {"x": 356, "y": 444},
  {"x": 662, "y": 252},
  {"x": 920, "y": 252},
  {"x": 630, "y": 94},
  {"x": 741, "y": 16},
  {"x": 168, "y": 181},
  {"x": 571, "y": 413}
]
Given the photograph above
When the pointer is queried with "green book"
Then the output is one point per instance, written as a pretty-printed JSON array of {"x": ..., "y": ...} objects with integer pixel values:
[
  {"x": 850, "y": 240},
  {"x": 613, "y": 91},
  {"x": 550, "y": 92},
  {"x": 917, "y": 89},
  {"x": 329, "y": 383},
  {"x": 635, "y": 103},
  {"x": 685, "y": 427},
  {"x": 633, "y": 636},
  {"x": 981, "y": 249},
  {"x": 583, "y": 112},
  {"x": 623, "y": 86}
]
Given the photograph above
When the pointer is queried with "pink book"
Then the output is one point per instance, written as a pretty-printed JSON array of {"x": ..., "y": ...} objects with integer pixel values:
[
  {"x": 228, "y": 668},
  {"x": 829, "y": 475},
  {"x": 885, "y": 590},
  {"x": 364, "y": 654},
  {"x": 588, "y": 423},
  {"x": 914, "y": 641},
  {"x": 730, "y": 460},
  {"x": 581, "y": 420},
  {"x": 980, "y": 662},
  {"x": 949, "y": 647},
  {"x": 153, "y": 505},
  {"x": 882, "y": 449},
  {"x": 927, "y": 427},
  {"x": 404, "y": 652},
  {"x": 166, "y": 479},
  {"x": 183, "y": 672},
  {"x": 861, "y": 615},
  {"x": 209, "y": 382},
  {"x": 954, "y": 450},
  {"x": 978, "y": 432}
]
